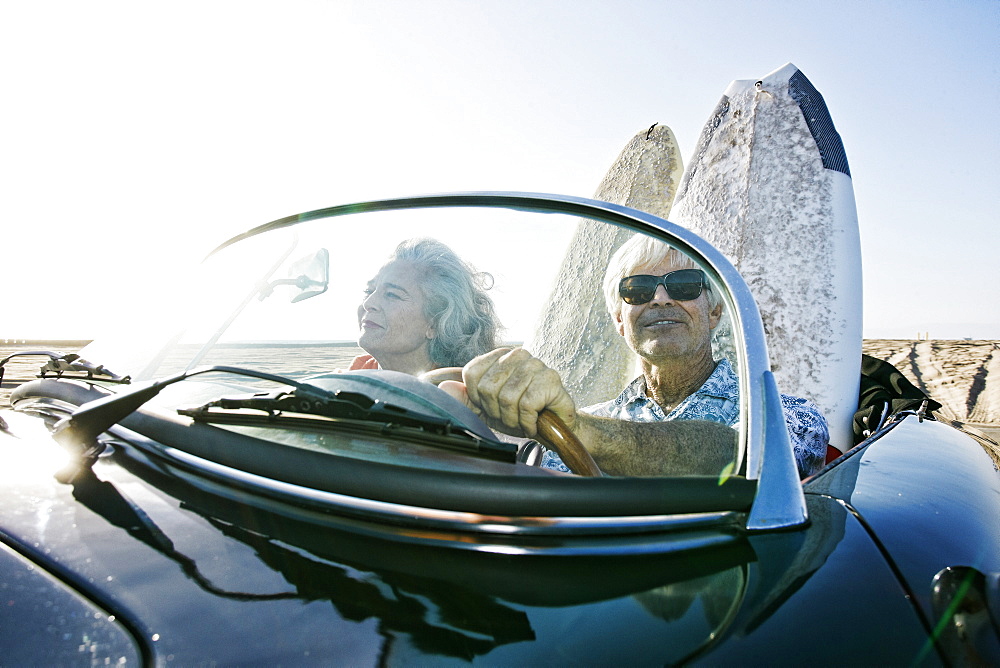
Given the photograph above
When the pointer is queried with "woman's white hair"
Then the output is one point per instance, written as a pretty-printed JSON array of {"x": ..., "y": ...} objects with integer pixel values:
[
  {"x": 639, "y": 252},
  {"x": 457, "y": 305}
]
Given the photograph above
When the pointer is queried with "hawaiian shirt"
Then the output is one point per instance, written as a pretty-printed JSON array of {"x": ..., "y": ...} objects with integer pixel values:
[{"x": 718, "y": 400}]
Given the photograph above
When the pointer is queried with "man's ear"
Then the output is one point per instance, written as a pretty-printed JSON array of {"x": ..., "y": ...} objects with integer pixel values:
[
  {"x": 619, "y": 324},
  {"x": 714, "y": 316}
]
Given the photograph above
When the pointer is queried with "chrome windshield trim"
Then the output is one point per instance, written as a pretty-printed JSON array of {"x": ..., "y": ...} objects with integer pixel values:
[
  {"x": 784, "y": 502},
  {"x": 780, "y": 502},
  {"x": 432, "y": 519}
]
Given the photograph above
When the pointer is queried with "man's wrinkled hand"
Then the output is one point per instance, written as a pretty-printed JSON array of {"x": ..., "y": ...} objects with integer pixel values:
[{"x": 509, "y": 388}]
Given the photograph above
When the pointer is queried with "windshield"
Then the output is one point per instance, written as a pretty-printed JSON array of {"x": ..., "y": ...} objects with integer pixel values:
[{"x": 318, "y": 295}]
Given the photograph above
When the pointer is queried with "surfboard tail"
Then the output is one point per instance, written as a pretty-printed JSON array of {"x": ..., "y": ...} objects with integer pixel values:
[{"x": 595, "y": 365}]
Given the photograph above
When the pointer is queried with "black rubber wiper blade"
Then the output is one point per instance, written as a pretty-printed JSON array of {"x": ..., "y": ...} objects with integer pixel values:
[
  {"x": 336, "y": 405},
  {"x": 344, "y": 408},
  {"x": 80, "y": 431}
]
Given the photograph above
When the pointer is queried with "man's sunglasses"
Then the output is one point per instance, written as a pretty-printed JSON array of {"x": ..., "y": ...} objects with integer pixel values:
[{"x": 682, "y": 285}]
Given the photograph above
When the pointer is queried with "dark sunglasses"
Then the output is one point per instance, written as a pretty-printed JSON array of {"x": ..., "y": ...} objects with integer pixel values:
[{"x": 682, "y": 285}]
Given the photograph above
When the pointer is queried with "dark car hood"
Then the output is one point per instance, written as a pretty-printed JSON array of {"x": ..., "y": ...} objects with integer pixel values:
[{"x": 197, "y": 576}]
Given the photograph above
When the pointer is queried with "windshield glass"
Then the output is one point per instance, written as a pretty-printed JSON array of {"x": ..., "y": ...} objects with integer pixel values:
[{"x": 310, "y": 300}]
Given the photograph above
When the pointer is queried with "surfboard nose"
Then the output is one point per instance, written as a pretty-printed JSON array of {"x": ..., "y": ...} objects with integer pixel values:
[{"x": 770, "y": 187}]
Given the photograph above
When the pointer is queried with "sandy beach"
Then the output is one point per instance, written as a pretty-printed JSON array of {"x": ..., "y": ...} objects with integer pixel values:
[{"x": 955, "y": 373}]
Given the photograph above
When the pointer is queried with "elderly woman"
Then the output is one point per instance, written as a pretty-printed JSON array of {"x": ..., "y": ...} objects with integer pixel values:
[{"x": 425, "y": 308}]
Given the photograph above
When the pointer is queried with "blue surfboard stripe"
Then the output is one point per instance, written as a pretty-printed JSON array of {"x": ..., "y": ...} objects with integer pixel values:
[{"x": 831, "y": 147}]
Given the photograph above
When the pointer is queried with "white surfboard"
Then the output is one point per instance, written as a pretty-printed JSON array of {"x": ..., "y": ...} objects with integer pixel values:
[
  {"x": 769, "y": 186},
  {"x": 594, "y": 362}
]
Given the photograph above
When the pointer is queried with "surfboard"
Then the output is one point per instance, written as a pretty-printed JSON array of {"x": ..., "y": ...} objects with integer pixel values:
[
  {"x": 593, "y": 360},
  {"x": 769, "y": 186}
]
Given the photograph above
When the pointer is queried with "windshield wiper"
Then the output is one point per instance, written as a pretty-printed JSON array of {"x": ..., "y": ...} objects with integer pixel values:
[
  {"x": 340, "y": 405},
  {"x": 80, "y": 430}
]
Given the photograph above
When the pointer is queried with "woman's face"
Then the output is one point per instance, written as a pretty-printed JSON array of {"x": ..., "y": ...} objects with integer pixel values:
[{"x": 391, "y": 318}]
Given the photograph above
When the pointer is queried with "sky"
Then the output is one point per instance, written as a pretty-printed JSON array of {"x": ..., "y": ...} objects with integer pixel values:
[{"x": 136, "y": 136}]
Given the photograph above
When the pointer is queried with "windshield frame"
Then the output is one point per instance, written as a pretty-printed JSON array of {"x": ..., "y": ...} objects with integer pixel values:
[{"x": 779, "y": 499}]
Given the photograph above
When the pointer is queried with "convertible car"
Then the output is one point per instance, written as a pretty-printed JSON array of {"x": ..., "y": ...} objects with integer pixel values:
[{"x": 214, "y": 486}]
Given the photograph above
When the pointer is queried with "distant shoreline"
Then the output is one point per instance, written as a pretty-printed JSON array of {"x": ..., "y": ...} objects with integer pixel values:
[
  {"x": 71, "y": 343},
  {"x": 954, "y": 372},
  {"x": 79, "y": 343}
]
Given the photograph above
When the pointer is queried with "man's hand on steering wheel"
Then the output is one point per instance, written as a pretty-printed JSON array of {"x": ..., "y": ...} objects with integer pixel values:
[
  {"x": 511, "y": 388},
  {"x": 517, "y": 394}
]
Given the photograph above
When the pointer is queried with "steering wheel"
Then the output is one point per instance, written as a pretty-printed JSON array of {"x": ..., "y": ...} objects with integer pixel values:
[{"x": 551, "y": 429}]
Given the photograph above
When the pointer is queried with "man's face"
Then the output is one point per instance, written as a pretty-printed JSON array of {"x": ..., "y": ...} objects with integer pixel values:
[{"x": 667, "y": 330}]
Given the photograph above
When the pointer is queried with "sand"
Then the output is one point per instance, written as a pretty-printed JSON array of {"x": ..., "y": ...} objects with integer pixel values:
[{"x": 955, "y": 373}]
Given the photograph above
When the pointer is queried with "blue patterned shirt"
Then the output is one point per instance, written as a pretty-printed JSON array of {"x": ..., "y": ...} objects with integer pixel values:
[{"x": 717, "y": 400}]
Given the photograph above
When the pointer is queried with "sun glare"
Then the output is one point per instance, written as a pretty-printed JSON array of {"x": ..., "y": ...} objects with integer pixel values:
[{"x": 33, "y": 456}]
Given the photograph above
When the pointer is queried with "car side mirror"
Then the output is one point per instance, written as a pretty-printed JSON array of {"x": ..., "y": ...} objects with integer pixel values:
[{"x": 310, "y": 276}]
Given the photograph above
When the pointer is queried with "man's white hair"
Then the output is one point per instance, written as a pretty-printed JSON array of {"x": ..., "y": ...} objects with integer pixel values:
[{"x": 639, "y": 252}]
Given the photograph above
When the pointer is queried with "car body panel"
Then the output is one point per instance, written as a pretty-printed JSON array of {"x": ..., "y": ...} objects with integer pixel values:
[
  {"x": 45, "y": 622},
  {"x": 179, "y": 535},
  {"x": 927, "y": 494},
  {"x": 215, "y": 580}
]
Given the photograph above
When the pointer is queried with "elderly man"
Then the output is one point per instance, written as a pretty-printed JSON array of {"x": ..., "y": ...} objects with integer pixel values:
[{"x": 674, "y": 419}]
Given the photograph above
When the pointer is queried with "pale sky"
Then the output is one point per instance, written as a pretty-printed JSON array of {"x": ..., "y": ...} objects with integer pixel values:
[{"x": 136, "y": 136}]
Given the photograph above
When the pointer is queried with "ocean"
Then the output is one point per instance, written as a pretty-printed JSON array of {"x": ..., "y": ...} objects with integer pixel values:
[
  {"x": 956, "y": 373},
  {"x": 306, "y": 358}
]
